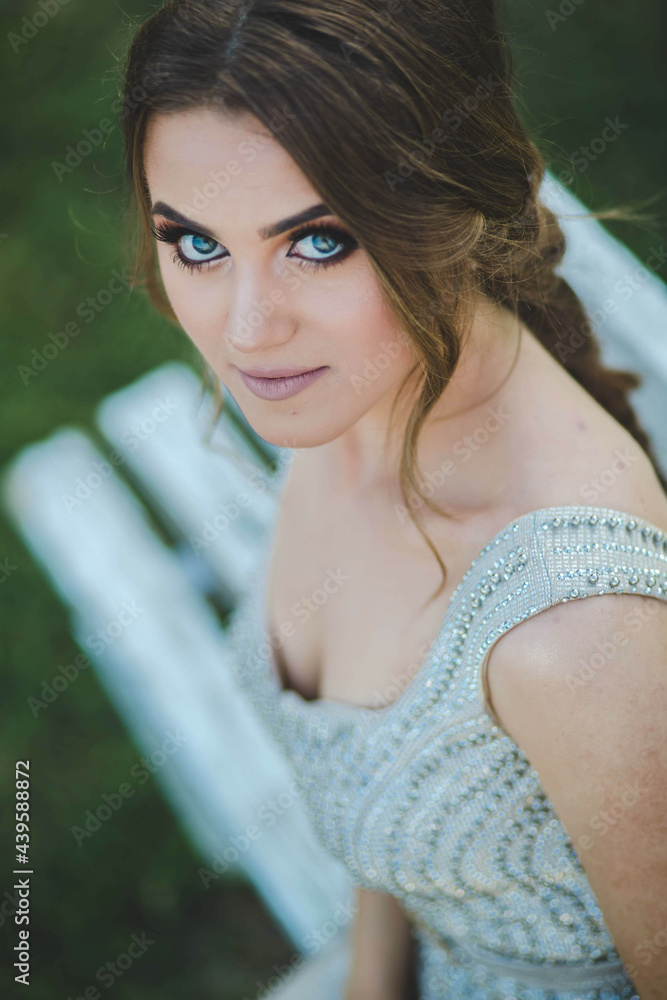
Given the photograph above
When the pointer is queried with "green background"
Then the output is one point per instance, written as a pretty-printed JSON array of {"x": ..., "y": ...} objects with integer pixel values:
[{"x": 60, "y": 239}]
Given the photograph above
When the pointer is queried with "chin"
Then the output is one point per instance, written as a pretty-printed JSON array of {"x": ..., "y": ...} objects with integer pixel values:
[{"x": 296, "y": 429}]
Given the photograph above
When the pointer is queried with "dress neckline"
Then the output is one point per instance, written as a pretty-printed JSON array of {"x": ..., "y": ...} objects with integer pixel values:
[{"x": 564, "y": 511}]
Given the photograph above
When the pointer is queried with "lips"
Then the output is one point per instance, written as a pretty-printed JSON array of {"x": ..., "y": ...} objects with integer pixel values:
[
  {"x": 279, "y": 383},
  {"x": 275, "y": 372}
]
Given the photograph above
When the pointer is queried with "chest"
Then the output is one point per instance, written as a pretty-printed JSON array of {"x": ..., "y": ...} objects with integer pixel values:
[{"x": 348, "y": 595}]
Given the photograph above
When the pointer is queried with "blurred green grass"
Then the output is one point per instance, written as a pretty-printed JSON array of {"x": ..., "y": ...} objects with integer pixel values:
[{"x": 63, "y": 239}]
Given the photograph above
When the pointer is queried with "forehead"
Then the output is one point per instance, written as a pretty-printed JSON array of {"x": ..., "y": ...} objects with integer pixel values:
[{"x": 203, "y": 157}]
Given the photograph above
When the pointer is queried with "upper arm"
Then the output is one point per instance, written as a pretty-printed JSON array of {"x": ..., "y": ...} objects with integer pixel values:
[
  {"x": 382, "y": 947},
  {"x": 582, "y": 689}
]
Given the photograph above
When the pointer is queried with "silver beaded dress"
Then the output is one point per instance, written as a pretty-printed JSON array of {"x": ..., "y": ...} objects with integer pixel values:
[{"x": 430, "y": 800}]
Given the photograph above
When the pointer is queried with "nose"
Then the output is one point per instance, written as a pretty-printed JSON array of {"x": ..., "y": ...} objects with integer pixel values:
[{"x": 259, "y": 316}]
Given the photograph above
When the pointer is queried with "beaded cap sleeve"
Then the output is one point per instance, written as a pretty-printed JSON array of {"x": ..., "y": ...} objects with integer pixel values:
[{"x": 430, "y": 800}]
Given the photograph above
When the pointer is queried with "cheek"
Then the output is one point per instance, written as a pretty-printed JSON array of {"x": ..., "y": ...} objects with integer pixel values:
[
  {"x": 197, "y": 305},
  {"x": 365, "y": 344},
  {"x": 375, "y": 351}
]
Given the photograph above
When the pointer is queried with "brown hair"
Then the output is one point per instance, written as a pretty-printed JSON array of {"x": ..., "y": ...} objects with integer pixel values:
[{"x": 429, "y": 167}]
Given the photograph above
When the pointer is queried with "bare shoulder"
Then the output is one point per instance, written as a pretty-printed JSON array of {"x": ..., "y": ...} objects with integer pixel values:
[
  {"x": 549, "y": 652},
  {"x": 581, "y": 688},
  {"x": 581, "y": 664},
  {"x": 543, "y": 655},
  {"x": 596, "y": 462}
]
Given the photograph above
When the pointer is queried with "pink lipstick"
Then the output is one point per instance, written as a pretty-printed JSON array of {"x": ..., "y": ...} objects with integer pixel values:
[{"x": 279, "y": 383}]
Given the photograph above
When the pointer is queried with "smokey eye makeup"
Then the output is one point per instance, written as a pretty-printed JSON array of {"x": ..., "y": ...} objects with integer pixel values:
[{"x": 197, "y": 252}]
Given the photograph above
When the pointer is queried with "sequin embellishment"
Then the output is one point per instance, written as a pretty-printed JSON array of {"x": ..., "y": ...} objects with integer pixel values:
[{"x": 430, "y": 800}]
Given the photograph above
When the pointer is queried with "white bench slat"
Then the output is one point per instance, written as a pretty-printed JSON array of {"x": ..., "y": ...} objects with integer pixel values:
[
  {"x": 631, "y": 324},
  {"x": 217, "y": 502},
  {"x": 324, "y": 975},
  {"x": 168, "y": 668}
]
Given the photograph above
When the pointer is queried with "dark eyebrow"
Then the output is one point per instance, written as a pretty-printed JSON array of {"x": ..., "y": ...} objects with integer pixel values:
[{"x": 267, "y": 233}]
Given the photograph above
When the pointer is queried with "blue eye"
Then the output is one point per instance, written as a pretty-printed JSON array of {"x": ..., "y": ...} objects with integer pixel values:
[
  {"x": 197, "y": 248},
  {"x": 191, "y": 250},
  {"x": 325, "y": 238},
  {"x": 195, "y": 251}
]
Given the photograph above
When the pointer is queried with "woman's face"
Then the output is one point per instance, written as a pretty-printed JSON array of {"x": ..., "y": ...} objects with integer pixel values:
[{"x": 302, "y": 297}]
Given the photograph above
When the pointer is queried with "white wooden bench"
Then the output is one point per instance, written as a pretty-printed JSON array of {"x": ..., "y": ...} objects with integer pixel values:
[
  {"x": 163, "y": 655},
  {"x": 137, "y": 537}
]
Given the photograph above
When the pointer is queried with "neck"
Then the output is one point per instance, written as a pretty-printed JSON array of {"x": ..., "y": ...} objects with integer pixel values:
[{"x": 462, "y": 447}]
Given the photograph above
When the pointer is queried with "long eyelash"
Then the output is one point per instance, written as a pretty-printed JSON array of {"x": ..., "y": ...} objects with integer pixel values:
[
  {"x": 171, "y": 233},
  {"x": 328, "y": 228},
  {"x": 168, "y": 232}
]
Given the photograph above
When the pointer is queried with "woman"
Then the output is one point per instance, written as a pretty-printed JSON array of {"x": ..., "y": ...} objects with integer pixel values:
[{"x": 345, "y": 212}]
